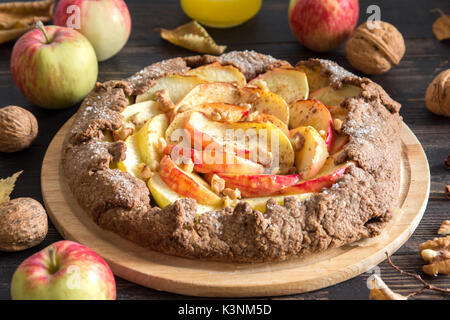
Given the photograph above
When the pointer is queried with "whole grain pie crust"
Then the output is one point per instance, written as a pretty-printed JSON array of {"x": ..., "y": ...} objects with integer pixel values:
[{"x": 357, "y": 206}]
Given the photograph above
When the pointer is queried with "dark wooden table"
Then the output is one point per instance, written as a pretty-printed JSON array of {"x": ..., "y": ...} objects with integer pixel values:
[{"x": 268, "y": 33}]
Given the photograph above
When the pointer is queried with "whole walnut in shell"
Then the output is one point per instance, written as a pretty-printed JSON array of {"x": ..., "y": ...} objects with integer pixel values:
[
  {"x": 23, "y": 224},
  {"x": 375, "y": 50},
  {"x": 18, "y": 129},
  {"x": 437, "y": 97}
]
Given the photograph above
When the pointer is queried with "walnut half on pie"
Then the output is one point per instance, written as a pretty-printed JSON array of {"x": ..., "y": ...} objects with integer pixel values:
[{"x": 240, "y": 157}]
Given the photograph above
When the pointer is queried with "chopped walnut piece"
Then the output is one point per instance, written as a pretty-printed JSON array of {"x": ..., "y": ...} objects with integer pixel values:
[
  {"x": 444, "y": 228},
  {"x": 380, "y": 291},
  {"x": 187, "y": 166},
  {"x": 261, "y": 84},
  {"x": 447, "y": 162},
  {"x": 447, "y": 192},
  {"x": 246, "y": 106},
  {"x": 123, "y": 133},
  {"x": 144, "y": 172},
  {"x": 138, "y": 119},
  {"x": 436, "y": 253},
  {"x": 163, "y": 98},
  {"x": 233, "y": 194},
  {"x": 216, "y": 115},
  {"x": 217, "y": 184},
  {"x": 337, "y": 125},
  {"x": 252, "y": 116},
  {"x": 154, "y": 166},
  {"x": 297, "y": 140}
]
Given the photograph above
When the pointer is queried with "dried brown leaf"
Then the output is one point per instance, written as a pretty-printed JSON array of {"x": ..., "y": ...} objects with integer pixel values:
[
  {"x": 192, "y": 36},
  {"x": 16, "y": 18},
  {"x": 441, "y": 27},
  {"x": 380, "y": 291},
  {"x": 7, "y": 186}
]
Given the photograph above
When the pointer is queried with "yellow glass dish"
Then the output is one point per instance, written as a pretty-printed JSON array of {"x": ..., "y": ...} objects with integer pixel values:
[{"x": 221, "y": 13}]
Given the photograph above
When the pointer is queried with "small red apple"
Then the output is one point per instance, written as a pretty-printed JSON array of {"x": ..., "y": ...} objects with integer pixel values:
[
  {"x": 106, "y": 23},
  {"x": 322, "y": 25},
  {"x": 65, "y": 270}
]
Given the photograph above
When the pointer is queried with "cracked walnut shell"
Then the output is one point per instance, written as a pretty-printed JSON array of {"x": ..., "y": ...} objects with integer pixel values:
[
  {"x": 18, "y": 129},
  {"x": 375, "y": 51},
  {"x": 437, "y": 97},
  {"x": 436, "y": 253}
]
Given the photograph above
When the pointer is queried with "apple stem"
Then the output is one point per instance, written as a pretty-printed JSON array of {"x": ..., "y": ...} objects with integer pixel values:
[
  {"x": 53, "y": 264},
  {"x": 40, "y": 25},
  {"x": 439, "y": 11}
]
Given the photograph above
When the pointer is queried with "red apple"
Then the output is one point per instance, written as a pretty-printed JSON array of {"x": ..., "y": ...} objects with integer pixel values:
[
  {"x": 106, "y": 23},
  {"x": 54, "y": 67},
  {"x": 65, "y": 270},
  {"x": 322, "y": 25}
]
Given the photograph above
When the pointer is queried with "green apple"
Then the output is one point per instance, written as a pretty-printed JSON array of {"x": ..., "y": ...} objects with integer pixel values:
[
  {"x": 65, "y": 270},
  {"x": 54, "y": 67}
]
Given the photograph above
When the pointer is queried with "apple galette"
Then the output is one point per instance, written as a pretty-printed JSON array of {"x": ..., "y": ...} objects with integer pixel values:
[{"x": 240, "y": 157}]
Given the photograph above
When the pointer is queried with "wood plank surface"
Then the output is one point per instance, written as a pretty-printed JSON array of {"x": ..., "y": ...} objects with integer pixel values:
[{"x": 268, "y": 33}]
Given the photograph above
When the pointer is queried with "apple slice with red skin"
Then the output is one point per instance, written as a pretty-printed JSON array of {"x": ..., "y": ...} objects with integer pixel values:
[
  {"x": 258, "y": 185},
  {"x": 187, "y": 184},
  {"x": 329, "y": 174},
  {"x": 214, "y": 161},
  {"x": 334, "y": 97},
  {"x": 311, "y": 153},
  {"x": 315, "y": 114},
  {"x": 339, "y": 141}
]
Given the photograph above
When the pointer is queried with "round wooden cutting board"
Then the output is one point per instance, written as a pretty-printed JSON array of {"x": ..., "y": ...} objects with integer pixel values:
[{"x": 202, "y": 278}]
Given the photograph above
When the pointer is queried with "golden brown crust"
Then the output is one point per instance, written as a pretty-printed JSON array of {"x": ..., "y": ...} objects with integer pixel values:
[{"x": 356, "y": 207}]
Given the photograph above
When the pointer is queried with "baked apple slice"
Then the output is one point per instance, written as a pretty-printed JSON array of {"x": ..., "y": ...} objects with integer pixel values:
[
  {"x": 332, "y": 97},
  {"x": 325, "y": 179},
  {"x": 262, "y": 117},
  {"x": 259, "y": 203},
  {"x": 264, "y": 135},
  {"x": 218, "y": 111},
  {"x": 214, "y": 161},
  {"x": 316, "y": 79},
  {"x": 164, "y": 196},
  {"x": 187, "y": 184},
  {"x": 149, "y": 139},
  {"x": 290, "y": 84},
  {"x": 215, "y": 72},
  {"x": 339, "y": 141},
  {"x": 139, "y": 113},
  {"x": 310, "y": 151},
  {"x": 258, "y": 185},
  {"x": 177, "y": 86},
  {"x": 255, "y": 98},
  {"x": 132, "y": 157},
  {"x": 315, "y": 114}
]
